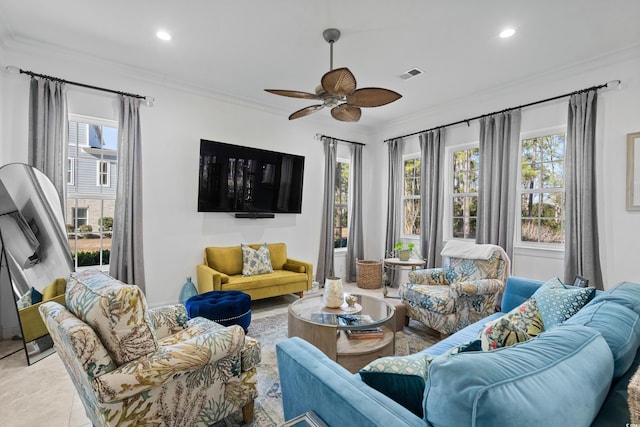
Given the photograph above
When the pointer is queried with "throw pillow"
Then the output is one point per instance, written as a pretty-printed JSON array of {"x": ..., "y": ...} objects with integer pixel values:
[
  {"x": 25, "y": 300},
  {"x": 558, "y": 302},
  {"x": 502, "y": 333},
  {"x": 520, "y": 324},
  {"x": 256, "y": 261},
  {"x": 36, "y": 296},
  {"x": 401, "y": 378}
]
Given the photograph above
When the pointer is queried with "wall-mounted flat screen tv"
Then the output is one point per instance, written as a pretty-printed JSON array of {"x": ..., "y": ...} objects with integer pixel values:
[{"x": 235, "y": 178}]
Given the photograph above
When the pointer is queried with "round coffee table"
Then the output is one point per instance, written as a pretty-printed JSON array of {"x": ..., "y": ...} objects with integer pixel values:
[{"x": 310, "y": 320}]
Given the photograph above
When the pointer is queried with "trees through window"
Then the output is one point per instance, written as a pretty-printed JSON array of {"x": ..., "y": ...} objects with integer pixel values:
[
  {"x": 341, "y": 205},
  {"x": 464, "y": 196},
  {"x": 411, "y": 196},
  {"x": 542, "y": 189}
]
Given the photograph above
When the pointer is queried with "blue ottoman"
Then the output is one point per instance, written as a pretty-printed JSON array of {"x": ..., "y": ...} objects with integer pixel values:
[{"x": 224, "y": 307}]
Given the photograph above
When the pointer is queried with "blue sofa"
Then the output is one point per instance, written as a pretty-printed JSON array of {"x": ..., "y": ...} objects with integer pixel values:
[{"x": 573, "y": 374}]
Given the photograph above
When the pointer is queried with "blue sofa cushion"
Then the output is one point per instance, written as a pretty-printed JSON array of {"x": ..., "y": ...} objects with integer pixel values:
[
  {"x": 624, "y": 293},
  {"x": 619, "y": 326},
  {"x": 558, "y": 302},
  {"x": 511, "y": 386}
]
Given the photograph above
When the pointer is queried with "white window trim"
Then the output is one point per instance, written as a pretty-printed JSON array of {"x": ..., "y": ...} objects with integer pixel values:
[
  {"x": 71, "y": 169},
  {"x": 99, "y": 173},
  {"x": 74, "y": 211},
  {"x": 448, "y": 185},
  {"x": 518, "y": 243},
  {"x": 405, "y": 157}
]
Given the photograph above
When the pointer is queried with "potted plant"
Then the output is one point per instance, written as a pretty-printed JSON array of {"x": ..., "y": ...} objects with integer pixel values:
[{"x": 403, "y": 250}]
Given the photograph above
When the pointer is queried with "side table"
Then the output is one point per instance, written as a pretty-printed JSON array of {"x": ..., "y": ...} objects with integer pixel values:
[
  {"x": 308, "y": 419},
  {"x": 398, "y": 264}
]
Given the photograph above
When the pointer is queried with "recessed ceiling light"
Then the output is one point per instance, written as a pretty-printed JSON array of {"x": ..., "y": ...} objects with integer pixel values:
[
  {"x": 163, "y": 35},
  {"x": 507, "y": 32}
]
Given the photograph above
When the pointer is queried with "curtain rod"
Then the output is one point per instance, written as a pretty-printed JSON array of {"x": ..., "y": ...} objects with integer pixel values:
[
  {"x": 13, "y": 68},
  {"x": 318, "y": 137},
  {"x": 612, "y": 83}
]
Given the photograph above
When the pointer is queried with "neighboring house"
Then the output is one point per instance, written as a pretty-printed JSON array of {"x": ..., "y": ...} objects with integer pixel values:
[{"x": 91, "y": 177}]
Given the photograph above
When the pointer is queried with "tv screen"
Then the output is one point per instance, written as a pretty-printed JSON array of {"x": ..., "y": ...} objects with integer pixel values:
[{"x": 234, "y": 178}]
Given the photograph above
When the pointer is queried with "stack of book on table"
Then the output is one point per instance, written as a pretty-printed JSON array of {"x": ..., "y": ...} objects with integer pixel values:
[{"x": 357, "y": 320}]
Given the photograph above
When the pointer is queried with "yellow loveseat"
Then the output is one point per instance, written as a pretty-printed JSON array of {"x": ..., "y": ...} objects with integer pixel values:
[
  {"x": 33, "y": 326},
  {"x": 222, "y": 271}
]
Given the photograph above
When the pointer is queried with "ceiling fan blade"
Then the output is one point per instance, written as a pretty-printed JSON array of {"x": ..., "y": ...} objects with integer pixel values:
[
  {"x": 306, "y": 111},
  {"x": 372, "y": 97},
  {"x": 346, "y": 113},
  {"x": 293, "y": 93},
  {"x": 339, "y": 82}
]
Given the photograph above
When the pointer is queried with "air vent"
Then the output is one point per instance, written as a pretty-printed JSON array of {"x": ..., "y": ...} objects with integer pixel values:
[{"x": 411, "y": 73}]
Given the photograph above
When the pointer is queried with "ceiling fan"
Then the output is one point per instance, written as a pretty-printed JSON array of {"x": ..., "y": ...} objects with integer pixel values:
[{"x": 338, "y": 91}]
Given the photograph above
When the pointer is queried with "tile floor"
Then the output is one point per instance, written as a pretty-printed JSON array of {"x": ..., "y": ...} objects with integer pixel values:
[{"x": 43, "y": 394}]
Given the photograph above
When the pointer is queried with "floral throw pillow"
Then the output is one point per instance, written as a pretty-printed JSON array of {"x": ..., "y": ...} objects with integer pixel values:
[
  {"x": 256, "y": 261},
  {"x": 520, "y": 324}
]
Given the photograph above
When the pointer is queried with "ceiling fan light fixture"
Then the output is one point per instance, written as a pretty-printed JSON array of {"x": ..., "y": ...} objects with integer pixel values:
[{"x": 338, "y": 92}]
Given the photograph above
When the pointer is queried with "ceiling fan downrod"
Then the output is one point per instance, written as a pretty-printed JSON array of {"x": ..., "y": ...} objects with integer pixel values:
[{"x": 331, "y": 35}]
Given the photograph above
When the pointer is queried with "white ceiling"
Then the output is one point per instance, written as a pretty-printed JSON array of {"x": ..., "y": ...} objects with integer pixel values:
[{"x": 238, "y": 48}]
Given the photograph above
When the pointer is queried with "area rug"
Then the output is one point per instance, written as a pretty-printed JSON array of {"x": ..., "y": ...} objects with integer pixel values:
[{"x": 273, "y": 329}]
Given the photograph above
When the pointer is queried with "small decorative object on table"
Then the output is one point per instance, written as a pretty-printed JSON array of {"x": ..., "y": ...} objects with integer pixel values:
[
  {"x": 404, "y": 250},
  {"x": 351, "y": 300},
  {"x": 188, "y": 290},
  {"x": 333, "y": 293}
]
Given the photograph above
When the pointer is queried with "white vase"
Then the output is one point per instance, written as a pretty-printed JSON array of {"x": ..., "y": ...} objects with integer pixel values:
[{"x": 333, "y": 293}]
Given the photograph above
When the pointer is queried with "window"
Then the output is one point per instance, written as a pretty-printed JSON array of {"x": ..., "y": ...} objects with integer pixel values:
[
  {"x": 464, "y": 198},
  {"x": 71, "y": 171},
  {"x": 341, "y": 205},
  {"x": 542, "y": 189},
  {"x": 103, "y": 174},
  {"x": 411, "y": 196},
  {"x": 91, "y": 199},
  {"x": 80, "y": 217}
]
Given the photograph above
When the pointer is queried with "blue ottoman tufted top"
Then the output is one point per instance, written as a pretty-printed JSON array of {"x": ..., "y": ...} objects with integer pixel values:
[{"x": 224, "y": 307}]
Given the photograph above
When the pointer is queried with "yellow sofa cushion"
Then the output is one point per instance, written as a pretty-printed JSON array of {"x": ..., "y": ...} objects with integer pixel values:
[
  {"x": 278, "y": 277},
  {"x": 228, "y": 259},
  {"x": 57, "y": 287}
]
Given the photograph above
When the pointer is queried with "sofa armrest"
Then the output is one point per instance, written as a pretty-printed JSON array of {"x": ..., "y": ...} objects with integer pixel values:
[
  {"x": 299, "y": 266},
  {"x": 170, "y": 362},
  {"x": 168, "y": 319},
  {"x": 250, "y": 354},
  {"x": 428, "y": 276},
  {"x": 310, "y": 381},
  {"x": 476, "y": 287},
  {"x": 209, "y": 279},
  {"x": 518, "y": 290}
]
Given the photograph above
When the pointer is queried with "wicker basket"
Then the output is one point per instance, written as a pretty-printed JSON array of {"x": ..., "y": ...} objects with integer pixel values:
[
  {"x": 634, "y": 398},
  {"x": 369, "y": 274}
]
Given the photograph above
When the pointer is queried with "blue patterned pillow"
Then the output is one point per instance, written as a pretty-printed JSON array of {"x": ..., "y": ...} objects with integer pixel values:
[
  {"x": 256, "y": 261},
  {"x": 558, "y": 302}
]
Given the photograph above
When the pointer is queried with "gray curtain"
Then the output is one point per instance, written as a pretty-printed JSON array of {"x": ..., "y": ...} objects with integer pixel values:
[
  {"x": 431, "y": 196},
  {"x": 497, "y": 193},
  {"x": 394, "y": 199},
  {"x": 127, "y": 260},
  {"x": 355, "y": 246},
  {"x": 48, "y": 133},
  {"x": 325, "y": 254},
  {"x": 581, "y": 247}
]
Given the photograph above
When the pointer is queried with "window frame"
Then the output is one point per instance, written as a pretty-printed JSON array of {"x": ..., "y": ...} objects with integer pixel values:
[
  {"x": 100, "y": 173},
  {"x": 74, "y": 213},
  {"x": 449, "y": 194},
  {"x": 71, "y": 171},
  {"x": 406, "y": 157},
  {"x": 518, "y": 242}
]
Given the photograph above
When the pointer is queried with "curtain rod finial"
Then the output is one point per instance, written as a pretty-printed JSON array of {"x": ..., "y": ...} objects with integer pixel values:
[
  {"x": 617, "y": 84},
  {"x": 12, "y": 69},
  {"x": 148, "y": 101},
  {"x": 317, "y": 137}
]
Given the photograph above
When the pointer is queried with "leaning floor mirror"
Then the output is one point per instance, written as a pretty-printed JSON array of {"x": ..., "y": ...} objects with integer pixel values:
[{"x": 35, "y": 256}]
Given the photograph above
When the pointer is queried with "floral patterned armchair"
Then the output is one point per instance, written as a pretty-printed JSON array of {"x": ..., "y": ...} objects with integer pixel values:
[
  {"x": 463, "y": 291},
  {"x": 135, "y": 366}
]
